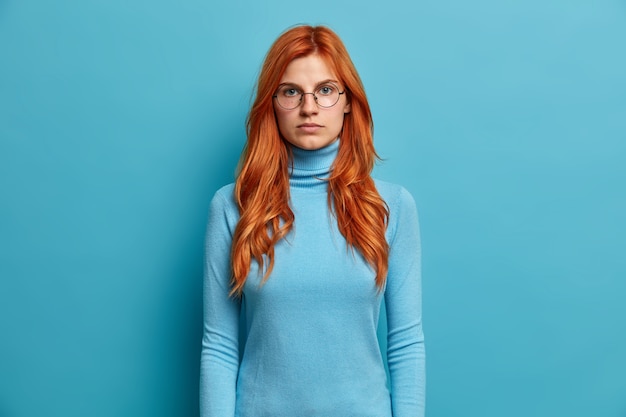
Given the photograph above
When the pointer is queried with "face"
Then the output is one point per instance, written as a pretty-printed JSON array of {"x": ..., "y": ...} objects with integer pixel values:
[{"x": 309, "y": 126}]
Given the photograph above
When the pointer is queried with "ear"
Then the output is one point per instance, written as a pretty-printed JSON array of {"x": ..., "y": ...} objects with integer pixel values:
[{"x": 347, "y": 108}]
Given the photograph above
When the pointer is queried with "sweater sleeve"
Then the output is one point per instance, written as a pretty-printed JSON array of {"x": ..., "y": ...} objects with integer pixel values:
[
  {"x": 219, "y": 361},
  {"x": 405, "y": 339}
]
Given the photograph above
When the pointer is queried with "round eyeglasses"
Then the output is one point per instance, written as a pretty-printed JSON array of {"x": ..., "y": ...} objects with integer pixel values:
[{"x": 289, "y": 97}]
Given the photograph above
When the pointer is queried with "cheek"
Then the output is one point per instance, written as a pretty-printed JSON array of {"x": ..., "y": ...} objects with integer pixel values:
[
  {"x": 285, "y": 125},
  {"x": 282, "y": 120},
  {"x": 338, "y": 118}
]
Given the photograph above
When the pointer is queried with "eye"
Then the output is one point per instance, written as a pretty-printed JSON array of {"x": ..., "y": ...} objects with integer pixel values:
[
  {"x": 326, "y": 90},
  {"x": 290, "y": 92}
]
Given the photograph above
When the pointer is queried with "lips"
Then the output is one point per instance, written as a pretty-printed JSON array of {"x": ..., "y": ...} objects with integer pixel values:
[{"x": 309, "y": 128}]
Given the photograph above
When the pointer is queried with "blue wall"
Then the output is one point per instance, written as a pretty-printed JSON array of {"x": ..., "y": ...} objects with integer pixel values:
[{"x": 506, "y": 120}]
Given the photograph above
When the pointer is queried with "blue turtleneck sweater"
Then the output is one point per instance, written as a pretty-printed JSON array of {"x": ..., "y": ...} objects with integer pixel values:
[{"x": 309, "y": 344}]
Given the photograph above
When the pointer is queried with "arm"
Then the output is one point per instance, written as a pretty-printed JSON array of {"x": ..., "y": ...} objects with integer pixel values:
[
  {"x": 405, "y": 339},
  {"x": 219, "y": 361}
]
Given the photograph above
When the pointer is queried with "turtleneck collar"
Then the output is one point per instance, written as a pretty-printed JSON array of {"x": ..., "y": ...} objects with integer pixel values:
[{"x": 309, "y": 169}]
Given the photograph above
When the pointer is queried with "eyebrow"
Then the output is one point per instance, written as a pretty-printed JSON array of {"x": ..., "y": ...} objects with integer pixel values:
[{"x": 329, "y": 80}]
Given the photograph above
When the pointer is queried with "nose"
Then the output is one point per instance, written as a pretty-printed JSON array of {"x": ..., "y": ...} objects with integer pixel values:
[{"x": 308, "y": 106}]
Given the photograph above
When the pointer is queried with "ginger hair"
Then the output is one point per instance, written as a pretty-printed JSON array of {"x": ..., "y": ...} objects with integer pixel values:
[{"x": 262, "y": 185}]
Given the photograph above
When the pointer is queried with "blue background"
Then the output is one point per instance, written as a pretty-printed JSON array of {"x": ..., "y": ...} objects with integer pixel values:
[{"x": 505, "y": 119}]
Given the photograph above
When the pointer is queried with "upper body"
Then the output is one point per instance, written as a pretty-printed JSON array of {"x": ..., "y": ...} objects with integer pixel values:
[{"x": 310, "y": 330}]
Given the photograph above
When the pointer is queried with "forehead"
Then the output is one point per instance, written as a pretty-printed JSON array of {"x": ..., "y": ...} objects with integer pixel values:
[{"x": 308, "y": 70}]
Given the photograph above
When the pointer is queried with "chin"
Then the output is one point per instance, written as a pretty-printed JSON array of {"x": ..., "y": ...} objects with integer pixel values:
[{"x": 312, "y": 144}]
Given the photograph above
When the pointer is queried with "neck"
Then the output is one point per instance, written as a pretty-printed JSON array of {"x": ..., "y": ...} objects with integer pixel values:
[{"x": 310, "y": 168}]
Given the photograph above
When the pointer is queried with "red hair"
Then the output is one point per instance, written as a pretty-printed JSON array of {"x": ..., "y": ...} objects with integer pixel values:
[{"x": 262, "y": 186}]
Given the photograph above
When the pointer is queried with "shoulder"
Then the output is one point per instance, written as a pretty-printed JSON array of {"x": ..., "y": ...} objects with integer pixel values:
[
  {"x": 224, "y": 206},
  {"x": 401, "y": 204},
  {"x": 396, "y": 196},
  {"x": 225, "y": 194}
]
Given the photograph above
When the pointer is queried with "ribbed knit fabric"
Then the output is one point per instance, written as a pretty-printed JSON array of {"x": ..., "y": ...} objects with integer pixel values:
[{"x": 310, "y": 331}]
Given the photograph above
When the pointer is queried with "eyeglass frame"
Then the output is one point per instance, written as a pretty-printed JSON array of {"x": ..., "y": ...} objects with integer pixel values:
[{"x": 314, "y": 98}]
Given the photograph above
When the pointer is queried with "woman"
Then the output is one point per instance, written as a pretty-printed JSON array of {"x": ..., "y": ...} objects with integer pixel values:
[{"x": 307, "y": 243}]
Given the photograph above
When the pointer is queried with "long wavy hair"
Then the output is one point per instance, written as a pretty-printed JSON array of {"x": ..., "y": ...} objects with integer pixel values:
[{"x": 262, "y": 186}]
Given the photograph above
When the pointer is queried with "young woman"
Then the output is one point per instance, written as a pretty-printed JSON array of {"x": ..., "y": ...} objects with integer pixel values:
[{"x": 307, "y": 244}]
